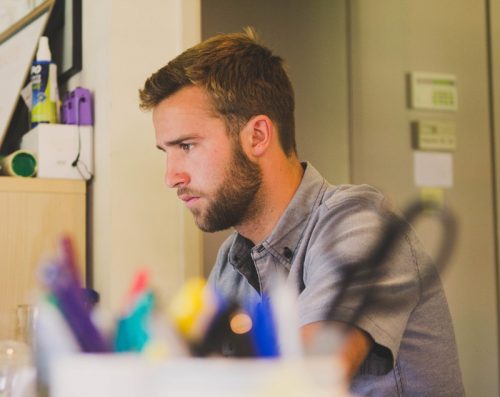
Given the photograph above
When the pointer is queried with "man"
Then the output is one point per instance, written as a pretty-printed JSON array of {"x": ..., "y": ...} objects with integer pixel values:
[{"x": 223, "y": 113}]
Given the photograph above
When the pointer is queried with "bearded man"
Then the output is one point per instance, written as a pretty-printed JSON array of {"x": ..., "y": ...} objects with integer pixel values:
[{"x": 223, "y": 112}]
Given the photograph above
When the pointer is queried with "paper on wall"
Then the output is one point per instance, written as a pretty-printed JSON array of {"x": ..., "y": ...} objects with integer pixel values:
[{"x": 433, "y": 169}]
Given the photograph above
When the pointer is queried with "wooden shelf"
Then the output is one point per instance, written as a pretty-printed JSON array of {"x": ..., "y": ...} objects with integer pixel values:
[
  {"x": 12, "y": 184},
  {"x": 34, "y": 214}
]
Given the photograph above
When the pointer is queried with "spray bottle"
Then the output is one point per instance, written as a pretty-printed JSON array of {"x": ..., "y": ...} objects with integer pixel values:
[{"x": 45, "y": 96}]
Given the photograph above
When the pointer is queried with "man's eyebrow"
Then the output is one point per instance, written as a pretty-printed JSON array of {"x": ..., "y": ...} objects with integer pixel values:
[{"x": 176, "y": 142}]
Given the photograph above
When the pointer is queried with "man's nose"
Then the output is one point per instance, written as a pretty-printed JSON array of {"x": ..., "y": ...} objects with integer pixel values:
[{"x": 174, "y": 174}]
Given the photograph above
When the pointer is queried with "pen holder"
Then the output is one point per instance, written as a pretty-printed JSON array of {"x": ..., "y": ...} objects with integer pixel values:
[{"x": 128, "y": 375}]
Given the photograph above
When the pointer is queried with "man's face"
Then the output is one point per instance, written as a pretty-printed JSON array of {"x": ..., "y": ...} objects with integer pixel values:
[{"x": 212, "y": 174}]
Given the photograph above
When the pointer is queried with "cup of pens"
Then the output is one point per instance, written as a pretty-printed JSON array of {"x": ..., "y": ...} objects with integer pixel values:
[{"x": 152, "y": 350}]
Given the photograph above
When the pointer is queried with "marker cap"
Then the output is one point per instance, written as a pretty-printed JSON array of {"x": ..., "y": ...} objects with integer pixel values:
[{"x": 43, "y": 53}]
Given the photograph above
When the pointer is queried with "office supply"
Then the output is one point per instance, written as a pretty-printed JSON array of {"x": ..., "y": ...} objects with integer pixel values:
[
  {"x": 224, "y": 335},
  {"x": 231, "y": 329},
  {"x": 283, "y": 301},
  {"x": 133, "y": 329},
  {"x": 53, "y": 337},
  {"x": 67, "y": 255},
  {"x": 44, "y": 91},
  {"x": 192, "y": 309},
  {"x": 139, "y": 286},
  {"x": 20, "y": 163},
  {"x": 132, "y": 376},
  {"x": 62, "y": 151},
  {"x": 133, "y": 332},
  {"x": 71, "y": 304},
  {"x": 77, "y": 107},
  {"x": 263, "y": 330},
  {"x": 58, "y": 276},
  {"x": 91, "y": 297},
  {"x": 164, "y": 342}
]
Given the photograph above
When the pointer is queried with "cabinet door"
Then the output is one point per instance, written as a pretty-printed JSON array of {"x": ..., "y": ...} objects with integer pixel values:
[{"x": 34, "y": 213}]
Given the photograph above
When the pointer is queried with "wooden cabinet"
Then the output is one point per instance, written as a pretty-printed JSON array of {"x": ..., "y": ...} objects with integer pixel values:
[{"x": 34, "y": 213}]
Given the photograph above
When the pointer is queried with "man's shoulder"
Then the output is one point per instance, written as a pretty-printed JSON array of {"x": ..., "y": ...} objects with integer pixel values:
[
  {"x": 317, "y": 197},
  {"x": 346, "y": 195}
]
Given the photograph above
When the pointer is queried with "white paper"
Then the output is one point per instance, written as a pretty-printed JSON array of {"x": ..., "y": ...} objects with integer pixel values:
[{"x": 433, "y": 169}]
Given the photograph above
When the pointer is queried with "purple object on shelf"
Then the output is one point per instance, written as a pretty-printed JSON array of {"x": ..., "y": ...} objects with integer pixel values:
[{"x": 77, "y": 107}]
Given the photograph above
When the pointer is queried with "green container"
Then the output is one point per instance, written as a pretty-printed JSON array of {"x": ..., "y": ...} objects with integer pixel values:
[{"x": 20, "y": 163}]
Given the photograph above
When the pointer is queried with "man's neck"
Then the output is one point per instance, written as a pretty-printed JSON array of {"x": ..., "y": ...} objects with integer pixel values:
[{"x": 279, "y": 184}]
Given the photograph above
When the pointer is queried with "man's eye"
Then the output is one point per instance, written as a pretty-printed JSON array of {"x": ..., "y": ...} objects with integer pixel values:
[{"x": 186, "y": 146}]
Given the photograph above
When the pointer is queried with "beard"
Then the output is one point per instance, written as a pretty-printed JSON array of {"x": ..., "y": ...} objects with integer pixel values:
[{"x": 235, "y": 200}]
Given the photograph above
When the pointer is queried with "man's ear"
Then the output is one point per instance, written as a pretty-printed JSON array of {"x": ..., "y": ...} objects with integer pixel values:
[{"x": 257, "y": 135}]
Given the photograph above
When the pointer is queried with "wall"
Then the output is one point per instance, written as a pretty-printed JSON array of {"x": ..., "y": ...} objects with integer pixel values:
[
  {"x": 494, "y": 37},
  {"x": 135, "y": 221},
  {"x": 296, "y": 30},
  {"x": 388, "y": 39}
]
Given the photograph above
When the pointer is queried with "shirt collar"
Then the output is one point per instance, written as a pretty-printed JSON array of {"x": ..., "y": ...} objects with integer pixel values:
[{"x": 285, "y": 237}]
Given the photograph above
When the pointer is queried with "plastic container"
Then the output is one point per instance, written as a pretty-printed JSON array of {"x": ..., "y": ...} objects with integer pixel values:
[{"x": 45, "y": 95}]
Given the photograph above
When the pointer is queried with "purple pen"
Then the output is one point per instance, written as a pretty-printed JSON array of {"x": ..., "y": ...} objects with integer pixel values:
[
  {"x": 68, "y": 257},
  {"x": 60, "y": 280}
]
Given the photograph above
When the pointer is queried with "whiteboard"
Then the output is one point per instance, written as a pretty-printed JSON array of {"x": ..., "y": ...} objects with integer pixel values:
[{"x": 16, "y": 54}]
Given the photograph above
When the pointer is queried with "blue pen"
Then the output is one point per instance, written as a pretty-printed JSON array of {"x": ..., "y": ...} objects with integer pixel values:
[{"x": 264, "y": 329}]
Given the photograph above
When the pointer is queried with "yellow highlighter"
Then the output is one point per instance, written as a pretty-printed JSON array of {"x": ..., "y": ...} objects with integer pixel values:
[{"x": 192, "y": 309}]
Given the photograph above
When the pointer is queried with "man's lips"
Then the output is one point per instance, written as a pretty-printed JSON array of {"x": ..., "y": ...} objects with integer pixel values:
[{"x": 189, "y": 199}]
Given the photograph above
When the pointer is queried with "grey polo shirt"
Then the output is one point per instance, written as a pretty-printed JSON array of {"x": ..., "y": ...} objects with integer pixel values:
[{"x": 324, "y": 229}]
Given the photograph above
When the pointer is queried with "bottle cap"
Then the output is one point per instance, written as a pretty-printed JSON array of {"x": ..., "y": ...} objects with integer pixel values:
[{"x": 43, "y": 53}]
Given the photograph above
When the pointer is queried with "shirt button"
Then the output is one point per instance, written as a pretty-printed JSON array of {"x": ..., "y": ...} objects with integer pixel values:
[{"x": 287, "y": 252}]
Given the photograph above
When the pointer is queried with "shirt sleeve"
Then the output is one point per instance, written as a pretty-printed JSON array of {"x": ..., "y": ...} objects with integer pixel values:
[{"x": 347, "y": 229}]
